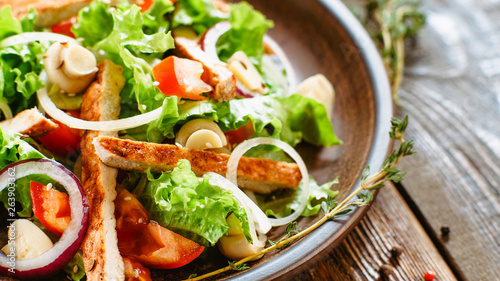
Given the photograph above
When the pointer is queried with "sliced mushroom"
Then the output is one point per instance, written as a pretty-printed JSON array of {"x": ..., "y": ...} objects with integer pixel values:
[
  {"x": 70, "y": 66},
  {"x": 246, "y": 73},
  {"x": 320, "y": 89},
  {"x": 201, "y": 134},
  {"x": 204, "y": 139}
]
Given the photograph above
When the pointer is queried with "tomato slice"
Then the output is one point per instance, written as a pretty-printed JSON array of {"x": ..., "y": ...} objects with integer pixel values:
[
  {"x": 64, "y": 27},
  {"x": 145, "y": 4},
  {"x": 146, "y": 241},
  {"x": 65, "y": 140},
  {"x": 134, "y": 271},
  {"x": 241, "y": 134},
  {"x": 51, "y": 207},
  {"x": 181, "y": 77},
  {"x": 131, "y": 217}
]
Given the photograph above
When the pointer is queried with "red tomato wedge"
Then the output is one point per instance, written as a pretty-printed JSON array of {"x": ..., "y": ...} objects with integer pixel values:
[
  {"x": 64, "y": 27},
  {"x": 241, "y": 134},
  {"x": 147, "y": 242},
  {"x": 181, "y": 77},
  {"x": 64, "y": 141},
  {"x": 51, "y": 207}
]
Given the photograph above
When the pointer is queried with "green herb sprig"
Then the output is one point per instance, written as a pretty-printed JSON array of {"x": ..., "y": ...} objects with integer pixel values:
[
  {"x": 331, "y": 208},
  {"x": 390, "y": 23}
]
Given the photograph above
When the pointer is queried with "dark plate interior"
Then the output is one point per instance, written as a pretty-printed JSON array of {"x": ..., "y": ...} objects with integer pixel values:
[{"x": 322, "y": 37}]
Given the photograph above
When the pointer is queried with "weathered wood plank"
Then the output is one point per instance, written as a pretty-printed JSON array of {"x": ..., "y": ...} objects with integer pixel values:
[
  {"x": 451, "y": 93},
  {"x": 388, "y": 224}
]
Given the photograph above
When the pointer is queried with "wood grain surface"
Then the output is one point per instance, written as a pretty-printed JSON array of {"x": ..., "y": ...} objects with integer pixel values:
[
  {"x": 388, "y": 225},
  {"x": 451, "y": 93}
]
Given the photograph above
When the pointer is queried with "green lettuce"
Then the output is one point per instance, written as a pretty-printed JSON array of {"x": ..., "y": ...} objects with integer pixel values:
[
  {"x": 14, "y": 149},
  {"x": 289, "y": 119},
  {"x": 308, "y": 116},
  {"x": 77, "y": 261},
  {"x": 287, "y": 201},
  {"x": 20, "y": 65},
  {"x": 198, "y": 14},
  {"x": 190, "y": 206},
  {"x": 248, "y": 27},
  {"x": 122, "y": 34},
  {"x": 11, "y": 26}
]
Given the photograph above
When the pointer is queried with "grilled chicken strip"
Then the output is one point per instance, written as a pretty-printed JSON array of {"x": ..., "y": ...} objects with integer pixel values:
[
  {"x": 215, "y": 73},
  {"x": 50, "y": 12},
  {"x": 257, "y": 174},
  {"x": 30, "y": 122},
  {"x": 101, "y": 102}
]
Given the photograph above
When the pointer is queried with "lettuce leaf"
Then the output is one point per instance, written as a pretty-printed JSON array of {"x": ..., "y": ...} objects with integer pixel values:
[
  {"x": 13, "y": 149},
  {"x": 190, "y": 206},
  {"x": 121, "y": 34},
  {"x": 289, "y": 119},
  {"x": 199, "y": 14},
  {"x": 309, "y": 117},
  {"x": 155, "y": 20},
  {"x": 20, "y": 65},
  {"x": 283, "y": 204},
  {"x": 248, "y": 27}
]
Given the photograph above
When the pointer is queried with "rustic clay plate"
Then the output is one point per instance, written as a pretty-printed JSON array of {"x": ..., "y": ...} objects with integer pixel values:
[{"x": 320, "y": 36}]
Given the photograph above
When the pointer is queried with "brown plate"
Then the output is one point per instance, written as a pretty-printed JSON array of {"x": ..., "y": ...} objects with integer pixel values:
[{"x": 322, "y": 37}]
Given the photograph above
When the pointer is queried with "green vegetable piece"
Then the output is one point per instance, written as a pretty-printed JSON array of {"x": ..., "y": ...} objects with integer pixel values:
[
  {"x": 190, "y": 206},
  {"x": 75, "y": 269},
  {"x": 64, "y": 101}
]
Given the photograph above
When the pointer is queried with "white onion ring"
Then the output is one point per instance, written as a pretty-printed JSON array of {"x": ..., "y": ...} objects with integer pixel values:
[
  {"x": 208, "y": 44},
  {"x": 114, "y": 125},
  {"x": 69, "y": 243},
  {"x": 208, "y": 41},
  {"x": 257, "y": 220},
  {"x": 27, "y": 37},
  {"x": 7, "y": 113},
  {"x": 234, "y": 159}
]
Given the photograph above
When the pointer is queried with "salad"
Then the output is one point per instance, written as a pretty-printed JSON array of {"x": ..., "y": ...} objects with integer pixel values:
[{"x": 138, "y": 136}]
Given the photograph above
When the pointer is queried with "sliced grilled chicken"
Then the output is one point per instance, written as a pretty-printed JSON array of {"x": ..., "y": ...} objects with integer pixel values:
[
  {"x": 215, "y": 73},
  {"x": 101, "y": 102},
  {"x": 50, "y": 12},
  {"x": 260, "y": 175},
  {"x": 30, "y": 122}
]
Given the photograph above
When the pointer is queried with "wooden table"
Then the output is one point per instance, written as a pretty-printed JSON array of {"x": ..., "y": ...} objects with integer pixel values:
[{"x": 451, "y": 92}]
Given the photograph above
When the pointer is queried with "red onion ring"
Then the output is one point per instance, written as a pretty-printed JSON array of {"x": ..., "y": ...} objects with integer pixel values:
[{"x": 63, "y": 250}]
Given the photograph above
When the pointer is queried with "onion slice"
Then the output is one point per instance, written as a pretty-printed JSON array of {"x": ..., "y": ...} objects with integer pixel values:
[
  {"x": 257, "y": 220},
  {"x": 27, "y": 37},
  {"x": 273, "y": 65},
  {"x": 7, "y": 113},
  {"x": 69, "y": 243},
  {"x": 114, "y": 125},
  {"x": 234, "y": 159},
  {"x": 208, "y": 42}
]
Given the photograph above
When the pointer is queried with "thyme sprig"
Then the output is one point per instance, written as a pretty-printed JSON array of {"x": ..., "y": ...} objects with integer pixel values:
[
  {"x": 390, "y": 23},
  {"x": 291, "y": 230},
  {"x": 360, "y": 196}
]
